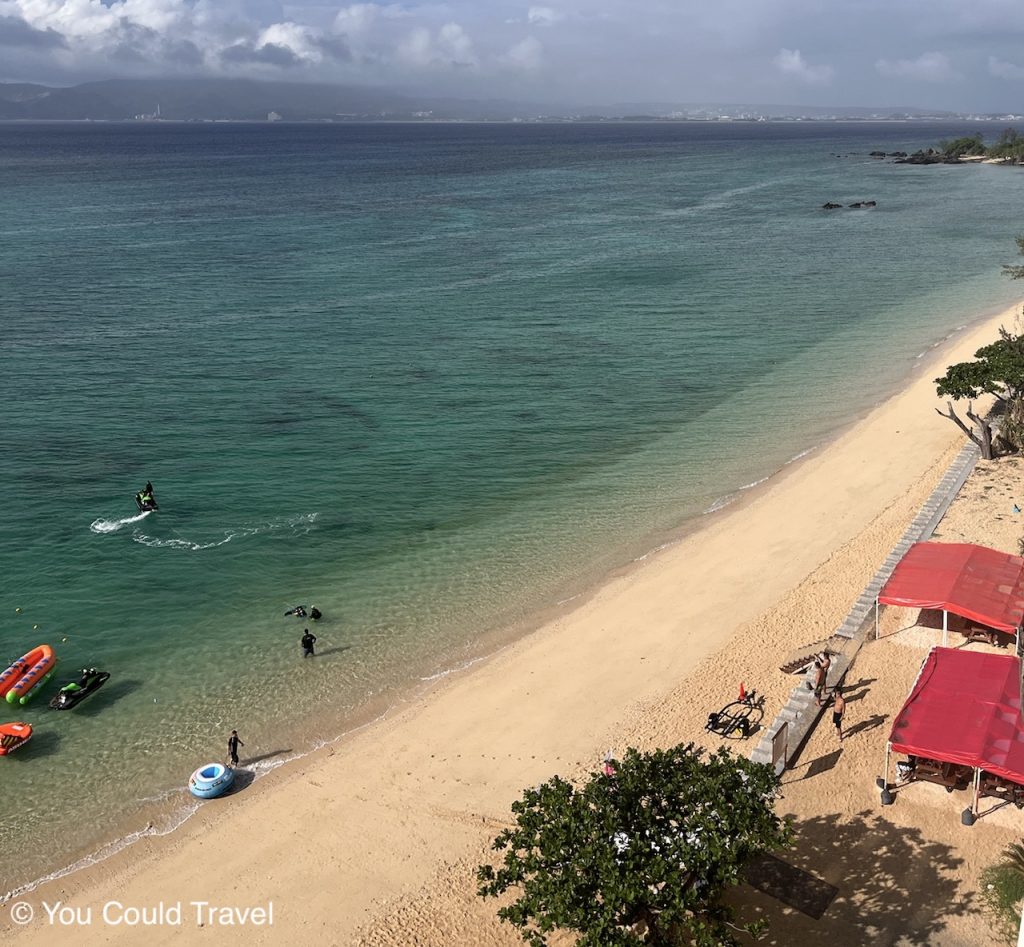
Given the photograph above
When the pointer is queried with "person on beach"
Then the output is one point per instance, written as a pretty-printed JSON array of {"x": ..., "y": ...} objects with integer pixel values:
[
  {"x": 308, "y": 640},
  {"x": 233, "y": 744},
  {"x": 838, "y": 709},
  {"x": 822, "y": 662}
]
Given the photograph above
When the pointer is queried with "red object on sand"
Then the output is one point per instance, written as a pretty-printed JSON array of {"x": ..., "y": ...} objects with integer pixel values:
[
  {"x": 977, "y": 583},
  {"x": 965, "y": 709},
  {"x": 743, "y": 692}
]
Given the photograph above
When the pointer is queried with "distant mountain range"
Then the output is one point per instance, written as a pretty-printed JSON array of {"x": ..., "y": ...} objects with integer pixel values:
[{"x": 247, "y": 100}]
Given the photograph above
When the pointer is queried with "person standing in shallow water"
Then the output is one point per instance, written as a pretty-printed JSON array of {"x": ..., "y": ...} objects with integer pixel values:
[
  {"x": 233, "y": 744},
  {"x": 308, "y": 640}
]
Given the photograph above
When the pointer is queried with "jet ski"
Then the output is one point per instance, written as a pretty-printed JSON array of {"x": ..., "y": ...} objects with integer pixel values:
[
  {"x": 145, "y": 502},
  {"x": 72, "y": 694}
]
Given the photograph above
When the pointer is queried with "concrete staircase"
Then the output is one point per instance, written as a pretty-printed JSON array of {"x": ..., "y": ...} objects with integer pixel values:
[{"x": 801, "y": 714}]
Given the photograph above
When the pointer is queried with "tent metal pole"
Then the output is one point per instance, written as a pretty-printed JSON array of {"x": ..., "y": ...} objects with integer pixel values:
[
  {"x": 885, "y": 771},
  {"x": 945, "y": 627},
  {"x": 876, "y": 618},
  {"x": 977, "y": 790}
]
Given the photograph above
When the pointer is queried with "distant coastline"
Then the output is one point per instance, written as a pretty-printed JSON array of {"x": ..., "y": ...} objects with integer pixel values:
[{"x": 205, "y": 100}]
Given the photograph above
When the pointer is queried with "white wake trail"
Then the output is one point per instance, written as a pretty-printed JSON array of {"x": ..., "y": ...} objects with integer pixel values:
[{"x": 112, "y": 526}]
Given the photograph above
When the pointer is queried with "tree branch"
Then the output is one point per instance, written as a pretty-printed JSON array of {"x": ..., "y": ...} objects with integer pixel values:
[{"x": 952, "y": 415}]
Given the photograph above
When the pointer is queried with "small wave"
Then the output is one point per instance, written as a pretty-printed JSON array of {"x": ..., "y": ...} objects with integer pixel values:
[
  {"x": 299, "y": 525},
  {"x": 108, "y": 850},
  {"x": 112, "y": 526},
  {"x": 754, "y": 483},
  {"x": 453, "y": 670},
  {"x": 657, "y": 549},
  {"x": 185, "y": 812},
  {"x": 801, "y": 455},
  {"x": 720, "y": 504},
  {"x": 939, "y": 342}
]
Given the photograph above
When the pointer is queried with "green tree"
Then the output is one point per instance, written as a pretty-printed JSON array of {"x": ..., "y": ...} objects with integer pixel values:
[
  {"x": 1016, "y": 272},
  {"x": 640, "y": 856},
  {"x": 1010, "y": 145},
  {"x": 958, "y": 147},
  {"x": 998, "y": 370},
  {"x": 1002, "y": 887}
]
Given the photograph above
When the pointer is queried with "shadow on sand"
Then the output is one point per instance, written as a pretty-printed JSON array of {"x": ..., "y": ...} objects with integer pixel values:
[{"x": 894, "y": 885}]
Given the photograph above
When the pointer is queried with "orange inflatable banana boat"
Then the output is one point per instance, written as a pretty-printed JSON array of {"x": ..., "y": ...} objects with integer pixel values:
[
  {"x": 13, "y": 736},
  {"x": 29, "y": 673}
]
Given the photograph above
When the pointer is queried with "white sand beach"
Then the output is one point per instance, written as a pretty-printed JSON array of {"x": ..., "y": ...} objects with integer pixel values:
[{"x": 375, "y": 839}]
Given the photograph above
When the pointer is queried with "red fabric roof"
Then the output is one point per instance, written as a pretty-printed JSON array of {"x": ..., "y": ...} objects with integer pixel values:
[
  {"x": 965, "y": 708},
  {"x": 981, "y": 584}
]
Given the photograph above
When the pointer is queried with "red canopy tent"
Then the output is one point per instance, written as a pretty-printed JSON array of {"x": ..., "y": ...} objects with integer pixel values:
[
  {"x": 977, "y": 583},
  {"x": 964, "y": 708}
]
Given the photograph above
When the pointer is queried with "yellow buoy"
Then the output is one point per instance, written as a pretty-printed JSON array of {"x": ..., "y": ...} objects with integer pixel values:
[
  {"x": 34, "y": 627},
  {"x": 17, "y": 610}
]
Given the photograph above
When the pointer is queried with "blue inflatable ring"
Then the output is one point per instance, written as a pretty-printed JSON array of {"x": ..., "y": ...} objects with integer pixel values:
[{"x": 211, "y": 780}]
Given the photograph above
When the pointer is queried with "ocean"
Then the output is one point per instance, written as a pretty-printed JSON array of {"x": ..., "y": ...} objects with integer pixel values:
[{"x": 433, "y": 379}]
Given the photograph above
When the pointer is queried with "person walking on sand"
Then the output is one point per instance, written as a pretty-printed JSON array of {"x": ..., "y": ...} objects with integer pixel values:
[
  {"x": 838, "y": 709},
  {"x": 233, "y": 744},
  {"x": 308, "y": 640}
]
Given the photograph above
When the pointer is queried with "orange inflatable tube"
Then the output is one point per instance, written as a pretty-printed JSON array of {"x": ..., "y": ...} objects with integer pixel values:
[
  {"x": 13, "y": 736},
  {"x": 30, "y": 672}
]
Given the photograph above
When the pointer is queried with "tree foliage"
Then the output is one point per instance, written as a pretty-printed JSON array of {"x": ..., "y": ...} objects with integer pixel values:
[
  {"x": 1010, "y": 145},
  {"x": 1016, "y": 272},
  {"x": 958, "y": 147},
  {"x": 998, "y": 370},
  {"x": 641, "y": 856},
  {"x": 1002, "y": 888}
]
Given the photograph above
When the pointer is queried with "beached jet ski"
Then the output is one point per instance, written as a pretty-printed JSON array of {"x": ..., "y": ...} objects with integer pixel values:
[{"x": 70, "y": 695}]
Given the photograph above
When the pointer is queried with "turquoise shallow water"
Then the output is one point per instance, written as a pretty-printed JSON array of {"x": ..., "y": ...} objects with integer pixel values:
[{"x": 429, "y": 378}]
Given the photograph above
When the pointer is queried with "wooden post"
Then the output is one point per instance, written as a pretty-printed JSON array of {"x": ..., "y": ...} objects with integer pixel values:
[{"x": 945, "y": 627}]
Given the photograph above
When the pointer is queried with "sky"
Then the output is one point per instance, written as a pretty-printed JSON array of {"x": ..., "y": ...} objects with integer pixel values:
[{"x": 959, "y": 55}]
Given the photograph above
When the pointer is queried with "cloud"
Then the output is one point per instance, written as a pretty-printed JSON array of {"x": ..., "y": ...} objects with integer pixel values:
[
  {"x": 792, "y": 63},
  {"x": 525, "y": 55},
  {"x": 542, "y": 16},
  {"x": 928, "y": 67},
  {"x": 268, "y": 54},
  {"x": 644, "y": 51},
  {"x": 14, "y": 31},
  {"x": 449, "y": 47},
  {"x": 1004, "y": 70}
]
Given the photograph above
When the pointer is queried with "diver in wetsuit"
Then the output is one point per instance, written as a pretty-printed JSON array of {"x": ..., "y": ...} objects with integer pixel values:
[{"x": 308, "y": 640}]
